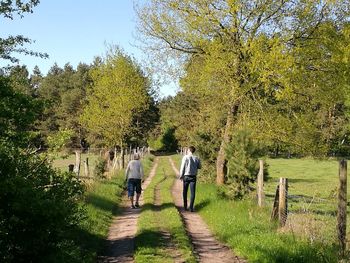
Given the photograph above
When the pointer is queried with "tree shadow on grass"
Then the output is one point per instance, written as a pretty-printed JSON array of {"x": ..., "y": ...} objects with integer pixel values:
[
  {"x": 100, "y": 202},
  {"x": 89, "y": 244},
  {"x": 154, "y": 207},
  {"x": 202, "y": 204},
  {"x": 149, "y": 239},
  {"x": 162, "y": 153}
]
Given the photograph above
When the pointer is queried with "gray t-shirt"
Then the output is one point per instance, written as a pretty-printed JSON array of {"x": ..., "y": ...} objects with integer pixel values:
[{"x": 134, "y": 170}]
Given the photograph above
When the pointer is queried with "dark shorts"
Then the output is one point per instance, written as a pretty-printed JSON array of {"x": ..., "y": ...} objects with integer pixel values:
[{"x": 134, "y": 185}]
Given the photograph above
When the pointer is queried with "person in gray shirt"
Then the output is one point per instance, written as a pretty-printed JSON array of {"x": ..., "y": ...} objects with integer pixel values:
[
  {"x": 188, "y": 174},
  {"x": 134, "y": 175}
]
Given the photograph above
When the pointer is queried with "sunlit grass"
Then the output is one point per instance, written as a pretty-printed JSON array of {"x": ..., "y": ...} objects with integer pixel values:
[
  {"x": 247, "y": 229},
  {"x": 149, "y": 242}
]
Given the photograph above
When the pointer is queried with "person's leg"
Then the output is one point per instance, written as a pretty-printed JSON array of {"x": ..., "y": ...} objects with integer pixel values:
[
  {"x": 184, "y": 193},
  {"x": 193, "y": 194},
  {"x": 138, "y": 192},
  {"x": 131, "y": 190}
]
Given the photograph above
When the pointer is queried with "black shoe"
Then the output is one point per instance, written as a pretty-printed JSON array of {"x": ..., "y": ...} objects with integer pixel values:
[
  {"x": 133, "y": 207},
  {"x": 192, "y": 210},
  {"x": 185, "y": 208},
  {"x": 137, "y": 205}
]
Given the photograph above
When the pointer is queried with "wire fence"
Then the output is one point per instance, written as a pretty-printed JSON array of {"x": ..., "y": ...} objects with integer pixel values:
[{"x": 317, "y": 217}]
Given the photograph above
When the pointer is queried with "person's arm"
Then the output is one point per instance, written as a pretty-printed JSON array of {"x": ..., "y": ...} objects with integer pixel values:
[
  {"x": 127, "y": 171},
  {"x": 141, "y": 171},
  {"x": 199, "y": 166},
  {"x": 182, "y": 168}
]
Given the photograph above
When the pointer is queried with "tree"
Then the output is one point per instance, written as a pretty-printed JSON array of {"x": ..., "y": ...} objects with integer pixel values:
[
  {"x": 64, "y": 92},
  {"x": 246, "y": 47},
  {"x": 35, "y": 79},
  {"x": 19, "y": 76},
  {"x": 14, "y": 44},
  {"x": 39, "y": 209},
  {"x": 119, "y": 93}
]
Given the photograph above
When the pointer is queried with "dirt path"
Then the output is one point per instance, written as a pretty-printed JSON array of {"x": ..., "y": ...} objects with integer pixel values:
[
  {"x": 124, "y": 227},
  {"x": 167, "y": 241},
  {"x": 206, "y": 247}
]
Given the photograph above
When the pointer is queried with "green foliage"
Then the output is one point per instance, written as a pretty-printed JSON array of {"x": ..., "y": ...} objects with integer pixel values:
[
  {"x": 17, "y": 114},
  {"x": 270, "y": 66},
  {"x": 63, "y": 92},
  {"x": 155, "y": 143},
  {"x": 169, "y": 141},
  {"x": 118, "y": 97},
  {"x": 19, "y": 77},
  {"x": 39, "y": 210},
  {"x": 100, "y": 167},
  {"x": 15, "y": 44},
  {"x": 242, "y": 155},
  {"x": 57, "y": 141}
]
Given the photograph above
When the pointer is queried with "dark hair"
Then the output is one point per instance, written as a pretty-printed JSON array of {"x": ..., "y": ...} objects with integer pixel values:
[{"x": 192, "y": 149}]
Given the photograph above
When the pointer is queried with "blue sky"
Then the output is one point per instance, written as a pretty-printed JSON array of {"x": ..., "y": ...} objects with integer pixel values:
[{"x": 75, "y": 31}]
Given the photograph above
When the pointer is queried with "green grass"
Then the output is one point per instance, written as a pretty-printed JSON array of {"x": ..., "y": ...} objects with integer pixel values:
[
  {"x": 101, "y": 204},
  {"x": 63, "y": 162},
  {"x": 306, "y": 176},
  {"x": 247, "y": 229},
  {"x": 149, "y": 241}
]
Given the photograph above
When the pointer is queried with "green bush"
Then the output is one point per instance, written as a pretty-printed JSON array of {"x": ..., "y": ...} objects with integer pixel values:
[
  {"x": 100, "y": 167},
  {"x": 242, "y": 166},
  {"x": 39, "y": 210}
]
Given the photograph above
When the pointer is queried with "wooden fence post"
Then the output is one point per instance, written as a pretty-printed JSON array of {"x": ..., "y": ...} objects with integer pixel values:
[
  {"x": 283, "y": 202},
  {"x": 77, "y": 162},
  {"x": 274, "y": 214},
  {"x": 261, "y": 195},
  {"x": 342, "y": 202},
  {"x": 86, "y": 167}
]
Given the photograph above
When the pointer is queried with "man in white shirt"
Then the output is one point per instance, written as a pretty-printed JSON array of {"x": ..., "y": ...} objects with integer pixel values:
[
  {"x": 188, "y": 173},
  {"x": 134, "y": 175}
]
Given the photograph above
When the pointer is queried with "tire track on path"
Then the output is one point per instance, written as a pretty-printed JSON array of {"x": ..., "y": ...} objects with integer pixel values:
[
  {"x": 121, "y": 236},
  {"x": 167, "y": 240},
  {"x": 206, "y": 247}
]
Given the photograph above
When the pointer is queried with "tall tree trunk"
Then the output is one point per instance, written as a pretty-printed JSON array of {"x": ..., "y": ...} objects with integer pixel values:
[
  {"x": 221, "y": 160},
  {"x": 122, "y": 153}
]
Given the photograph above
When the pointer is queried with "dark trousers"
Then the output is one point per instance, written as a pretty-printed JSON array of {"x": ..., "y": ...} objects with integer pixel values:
[{"x": 189, "y": 182}]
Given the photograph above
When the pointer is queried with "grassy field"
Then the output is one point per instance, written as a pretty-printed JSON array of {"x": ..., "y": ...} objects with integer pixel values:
[
  {"x": 248, "y": 230},
  {"x": 100, "y": 203},
  {"x": 150, "y": 244},
  {"x": 62, "y": 163},
  {"x": 306, "y": 176}
]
